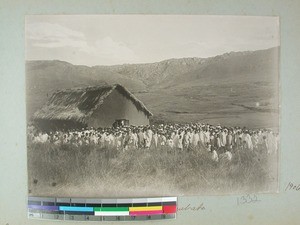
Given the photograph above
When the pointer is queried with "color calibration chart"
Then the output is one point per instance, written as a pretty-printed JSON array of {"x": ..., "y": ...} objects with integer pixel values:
[{"x": 84, "y": 209}]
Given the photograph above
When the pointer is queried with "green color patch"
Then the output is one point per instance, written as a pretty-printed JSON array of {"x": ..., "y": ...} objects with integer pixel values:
[{"x": 112, "y": 209}]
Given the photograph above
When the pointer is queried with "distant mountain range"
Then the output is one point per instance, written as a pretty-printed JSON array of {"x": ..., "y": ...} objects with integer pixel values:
[{"x": 233, "y": 88}]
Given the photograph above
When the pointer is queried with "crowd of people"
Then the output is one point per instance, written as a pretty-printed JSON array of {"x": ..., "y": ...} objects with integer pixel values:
[{"x": 220, "y": 141}]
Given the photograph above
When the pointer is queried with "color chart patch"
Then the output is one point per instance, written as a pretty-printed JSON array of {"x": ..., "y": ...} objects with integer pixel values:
[{"x": 79, "y": 209}]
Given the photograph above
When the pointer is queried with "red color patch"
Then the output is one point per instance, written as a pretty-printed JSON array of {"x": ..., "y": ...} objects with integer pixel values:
[{"x": 169, "y": 209}]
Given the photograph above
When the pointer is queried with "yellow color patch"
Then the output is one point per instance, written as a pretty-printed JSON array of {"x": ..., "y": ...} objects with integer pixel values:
[{"x": 146, "y": 208}]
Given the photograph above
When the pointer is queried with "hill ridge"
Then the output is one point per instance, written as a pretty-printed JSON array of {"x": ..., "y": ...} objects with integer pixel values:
[
  {"x": 160, "y": 61},
  {"x": 210, "y": 89}
]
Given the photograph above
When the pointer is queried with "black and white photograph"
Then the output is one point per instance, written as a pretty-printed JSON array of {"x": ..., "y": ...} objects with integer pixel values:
[{"x": 152, "y": 105}]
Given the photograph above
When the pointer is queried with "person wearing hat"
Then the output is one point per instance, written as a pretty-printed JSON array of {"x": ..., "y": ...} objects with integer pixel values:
[
  {"x": 148, "y": 137},
  {"x": 102, "y": 139},
  {"x": 218, "y": 144},
  {"x": 201, "y": 137},
  {"x": 155, "y": 139},
  {"x": 229, "y": 139},
  {"x": 135, "y": 139},
  {"x": 175, "y": 140},
  {"x": 186, "y": 140},
  {"x": 254, "y": 139},
  {"x": 170, "y": 143},
  {"x": 180, "y": 141},
  {"x": 119, "y": 141},
  {"x": 223, "y": 136},
  {"x": 127, "y": 140},
  {"x": 247, "y": 139},
  {"x": 212, "y": 141},
  {"x": 238, "y": 140},
  {"x": 57, "y": 140},
  {"x": 207, "y": 136},
  {"x": 141, "y": 138},
  {"x": 163, "y": 139}
]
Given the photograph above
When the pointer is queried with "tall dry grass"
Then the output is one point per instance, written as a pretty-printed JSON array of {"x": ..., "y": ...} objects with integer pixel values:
[{"x": 91, "y": 171}]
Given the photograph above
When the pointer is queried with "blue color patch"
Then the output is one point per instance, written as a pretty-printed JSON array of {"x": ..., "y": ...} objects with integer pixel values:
[{"x": 76, "y": 209}]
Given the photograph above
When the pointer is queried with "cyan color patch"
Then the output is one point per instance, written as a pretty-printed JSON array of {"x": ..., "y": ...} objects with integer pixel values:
[{"x": 76, "y": 209}]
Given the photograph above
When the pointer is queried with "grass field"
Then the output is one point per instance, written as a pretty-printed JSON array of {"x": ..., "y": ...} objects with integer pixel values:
[{"x": 88, "y": 171}]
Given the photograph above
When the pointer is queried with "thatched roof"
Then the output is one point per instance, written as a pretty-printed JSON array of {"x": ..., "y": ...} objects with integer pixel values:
[{"x": 80, "y": 103}]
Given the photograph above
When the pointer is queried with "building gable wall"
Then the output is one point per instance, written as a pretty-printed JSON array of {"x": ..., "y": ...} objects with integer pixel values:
[{"x": 116, "y": 106}]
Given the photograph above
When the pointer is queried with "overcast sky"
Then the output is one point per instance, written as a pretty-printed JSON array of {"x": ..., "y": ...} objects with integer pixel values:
[{"x": 118, "y": 39}]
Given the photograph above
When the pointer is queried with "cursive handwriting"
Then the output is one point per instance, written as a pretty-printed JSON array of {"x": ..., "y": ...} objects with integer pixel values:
[
  {"x": 292, "y": 186},
  {"x": 192, "y": 208},
  {"x": 247, "y": 199}
]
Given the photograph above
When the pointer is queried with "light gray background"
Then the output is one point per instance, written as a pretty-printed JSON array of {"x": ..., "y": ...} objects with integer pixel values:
[{"x": 282, "y": 208}]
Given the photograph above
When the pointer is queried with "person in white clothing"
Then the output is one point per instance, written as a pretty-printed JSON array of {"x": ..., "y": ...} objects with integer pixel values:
[
  {"x": 223, "y": 136},
  {"x": 215, "y": 156},
  {"x": 155, "y": 139},
  {"x": 180, "y": 142},
  {"x": 227, "y": 156},
  {"x": 148, "y": 138},
  {"x": 195, "y": 139}
]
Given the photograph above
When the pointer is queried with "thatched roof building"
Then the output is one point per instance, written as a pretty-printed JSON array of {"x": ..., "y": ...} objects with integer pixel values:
[{"x": 96, "y": 107}]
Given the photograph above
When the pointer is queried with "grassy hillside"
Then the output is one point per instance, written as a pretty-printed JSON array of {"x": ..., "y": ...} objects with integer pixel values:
[{"x": 238, "y": 88}]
